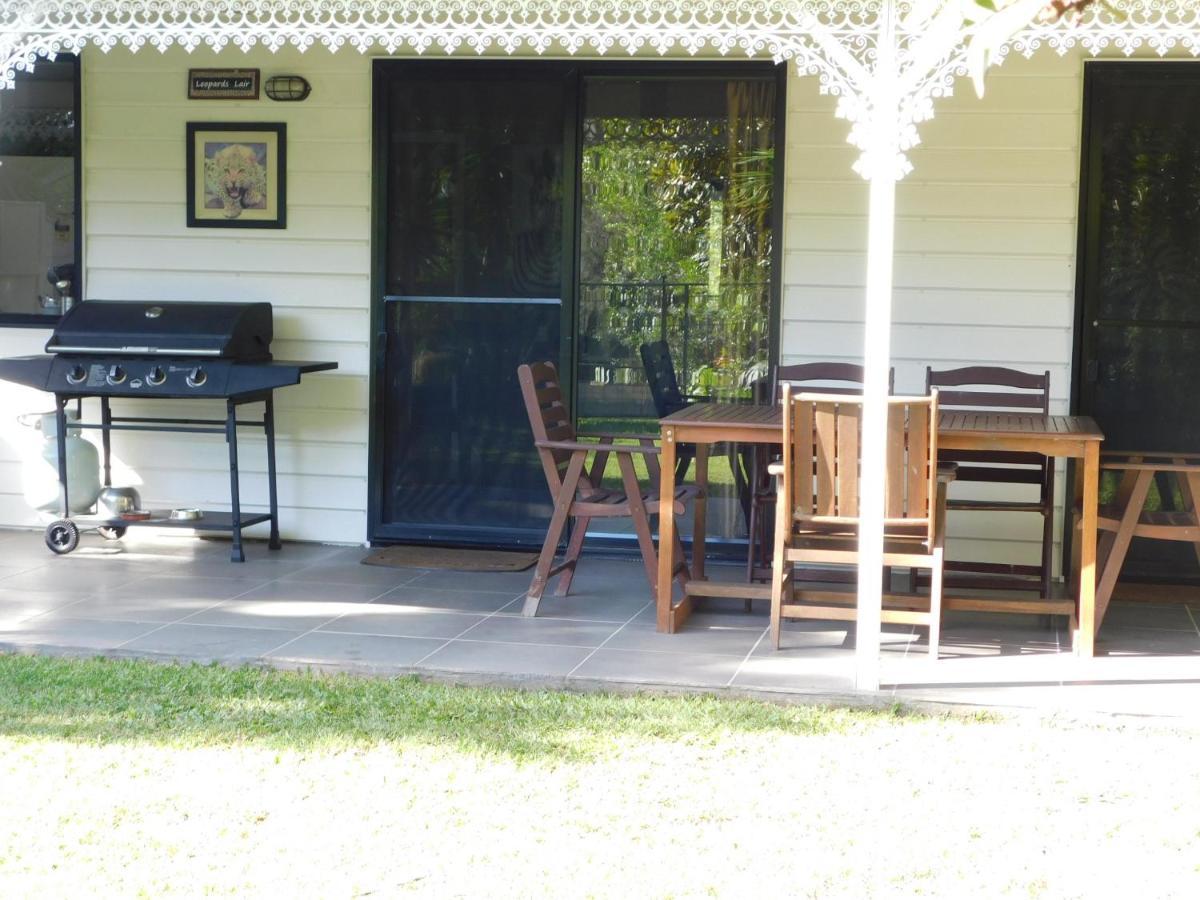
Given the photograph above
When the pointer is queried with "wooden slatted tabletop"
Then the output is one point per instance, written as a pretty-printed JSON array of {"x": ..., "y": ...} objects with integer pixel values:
[{"x": 704, "y": 424}]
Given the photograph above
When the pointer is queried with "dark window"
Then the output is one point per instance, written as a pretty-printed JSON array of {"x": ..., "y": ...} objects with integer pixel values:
[{"x": 39, "y": 193}]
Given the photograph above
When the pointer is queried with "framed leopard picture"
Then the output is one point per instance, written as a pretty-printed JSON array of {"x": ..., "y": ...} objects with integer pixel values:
[{"x": 236, "y": 175}]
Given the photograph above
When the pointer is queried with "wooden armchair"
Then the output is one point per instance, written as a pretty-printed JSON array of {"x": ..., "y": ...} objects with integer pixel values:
[
  {"x": 996, "y": 389},
  {"x": 817, "y": 506},
  {"x": 576, "y": 490}
]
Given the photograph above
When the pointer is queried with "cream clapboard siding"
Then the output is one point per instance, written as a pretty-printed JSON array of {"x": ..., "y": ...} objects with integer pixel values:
[
  {"x": 984, "y": 270},
  {"x": 985, "y": 240},
  {"x": 316, "y": 273}
]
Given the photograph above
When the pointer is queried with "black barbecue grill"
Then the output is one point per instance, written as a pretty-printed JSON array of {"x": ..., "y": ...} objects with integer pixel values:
[{"x": 107, "y": 348}]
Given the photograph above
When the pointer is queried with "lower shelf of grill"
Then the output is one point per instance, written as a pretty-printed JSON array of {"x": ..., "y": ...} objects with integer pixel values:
[{"x": 212, "y": 520}]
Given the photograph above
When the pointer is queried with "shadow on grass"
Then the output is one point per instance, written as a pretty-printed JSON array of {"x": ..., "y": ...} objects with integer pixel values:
[{"x": 134, "y": 701}]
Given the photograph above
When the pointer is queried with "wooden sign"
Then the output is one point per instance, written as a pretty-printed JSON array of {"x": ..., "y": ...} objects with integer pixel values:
[{"x": 222, "y": 84}]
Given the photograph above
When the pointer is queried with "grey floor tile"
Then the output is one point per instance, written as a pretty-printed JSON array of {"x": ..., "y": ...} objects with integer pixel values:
[
  {"x": 356, "y": 650},
  {"x": 223, "y": 569},
  {"x": 511, "y": 583},
  {"x": 964, "y": 641},
  {"x": 418, "y": 597},
  {"x": 55, "y": 630},
  {"x": 209, "y": 642},
  {"x": 590, "y": 607},
  {"x": 138, "y": 609},
  {"x": 698, "y": 669},
  {"x": 399, "y": 621},
  {"x": 813, "y": 636},
  {"x": 198, "y": 588},
  {"x": 313, "y": 592},
  {"x": 711, "y": 614},
  {"x": 286, "y": 614},
  {"x": 560, "y": 632},
  {"x": 690, "y": 639},
  {"x": 1137, "y": 615},
  {"x": 348, "y": 572},
  {"x": 65, "y": 576},
  {"x": 1146, "y": 641},
  {"x": 798, "y": 671},
  {"x": 506, "y": 659}
]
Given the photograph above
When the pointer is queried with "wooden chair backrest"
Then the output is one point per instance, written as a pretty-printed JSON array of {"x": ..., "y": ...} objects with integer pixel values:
[
  {"x": 974, "y": 388},
  {"x": 549, "y": 418},
  {"x": 822, "y": 459},
  {"x": 847, "y": 378},
  {"x": 1021, "y": 390},
  {"x": 660, "y": 376}
]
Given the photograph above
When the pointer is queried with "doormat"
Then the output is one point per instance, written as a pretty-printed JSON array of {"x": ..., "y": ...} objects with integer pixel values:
[{"x": 464, "y": 559}]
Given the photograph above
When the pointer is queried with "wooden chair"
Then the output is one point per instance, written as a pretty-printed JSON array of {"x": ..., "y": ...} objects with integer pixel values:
[
  {"x": 1126, "y": 517},
  {"x": 817, "y": 508},
  {"x": 576, "y": 490},
  {"x": 823, "y": 377},
  {"x": 998, "y": 389}
]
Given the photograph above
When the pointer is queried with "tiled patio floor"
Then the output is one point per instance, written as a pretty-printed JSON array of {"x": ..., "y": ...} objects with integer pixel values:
[{"x": 309, "y": 605}]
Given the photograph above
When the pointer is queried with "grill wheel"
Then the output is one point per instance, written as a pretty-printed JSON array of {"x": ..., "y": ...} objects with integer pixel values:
[{"x": 62, "y": 535}]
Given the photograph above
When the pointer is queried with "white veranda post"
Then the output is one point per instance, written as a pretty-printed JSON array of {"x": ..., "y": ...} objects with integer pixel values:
[{"x": 880, "y": 163}]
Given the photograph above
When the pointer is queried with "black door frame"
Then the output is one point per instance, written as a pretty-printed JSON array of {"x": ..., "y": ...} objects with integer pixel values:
[{"x": 382, "y": 71}]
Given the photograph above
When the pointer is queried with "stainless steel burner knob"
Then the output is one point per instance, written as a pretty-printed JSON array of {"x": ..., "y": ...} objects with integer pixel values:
[
  {"x": 197, "y": 377},
  {"x": 77, "y": 375},
  {"x": 156, "y": 376},
  {"x": 116, "y": 375}
]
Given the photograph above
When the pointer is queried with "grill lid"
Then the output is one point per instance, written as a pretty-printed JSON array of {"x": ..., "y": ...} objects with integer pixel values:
[{"x": 241, "y": 331}]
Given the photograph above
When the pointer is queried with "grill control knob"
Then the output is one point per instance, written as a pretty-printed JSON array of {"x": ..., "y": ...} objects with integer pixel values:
[
  {"x": 77, "y": 375},
  {"x": 156, "y": 376},
  {"x": 116, "y": 375},
  {"x": 196, "y": 377}
]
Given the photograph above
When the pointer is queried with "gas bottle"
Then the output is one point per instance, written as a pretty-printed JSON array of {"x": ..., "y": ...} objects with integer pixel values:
[{"x": 40, "y": 476}]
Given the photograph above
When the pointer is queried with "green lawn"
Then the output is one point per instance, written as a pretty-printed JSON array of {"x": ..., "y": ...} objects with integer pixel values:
[{"x": 127, "y": 778}]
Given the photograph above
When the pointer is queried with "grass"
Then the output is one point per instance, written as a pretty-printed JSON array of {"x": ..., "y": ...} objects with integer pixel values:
[
  {"x": 108, "y": 701},
  {"x": 128, "y": 778}
]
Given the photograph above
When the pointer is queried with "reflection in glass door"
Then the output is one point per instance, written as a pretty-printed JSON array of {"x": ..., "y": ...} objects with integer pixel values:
[{"x": 677, "y": 227}]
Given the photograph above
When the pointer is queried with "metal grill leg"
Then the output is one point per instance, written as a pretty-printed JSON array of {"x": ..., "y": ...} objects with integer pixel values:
[
  {"x": 269, "y": 426},
  {"x": 106, "y": 439},
  {"x": 237, "y": 555},
  {"x": 60, "y": 414}
]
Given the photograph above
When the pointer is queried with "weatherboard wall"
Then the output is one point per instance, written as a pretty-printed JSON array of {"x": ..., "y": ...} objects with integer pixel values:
[{"x": 984, "y": 268}]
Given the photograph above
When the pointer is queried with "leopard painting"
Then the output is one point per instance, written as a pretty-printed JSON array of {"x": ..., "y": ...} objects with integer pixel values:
[{"x": 235, "y": 180}]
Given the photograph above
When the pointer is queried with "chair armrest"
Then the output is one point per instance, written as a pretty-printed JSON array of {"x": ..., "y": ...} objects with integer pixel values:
[
  {"x": 946, "y": 472},
  {"x": 775, "y": 468},
  {"x": 607, "y": 448}
]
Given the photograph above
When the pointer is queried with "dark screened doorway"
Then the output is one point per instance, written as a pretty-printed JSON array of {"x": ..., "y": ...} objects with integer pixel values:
[
  {"x": 562, "y": 211},
  {"x": 1139, "y": 304}
]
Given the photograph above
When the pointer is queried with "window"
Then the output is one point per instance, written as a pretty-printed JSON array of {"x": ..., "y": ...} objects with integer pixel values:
[{"x": 39, "y": 193}]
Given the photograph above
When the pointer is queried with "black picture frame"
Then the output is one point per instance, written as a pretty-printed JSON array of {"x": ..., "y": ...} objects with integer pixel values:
[{"x": 254, "y": 200}]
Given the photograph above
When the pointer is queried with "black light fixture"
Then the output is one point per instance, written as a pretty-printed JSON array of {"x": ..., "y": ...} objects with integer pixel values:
[{"x": 287, "y": 88}]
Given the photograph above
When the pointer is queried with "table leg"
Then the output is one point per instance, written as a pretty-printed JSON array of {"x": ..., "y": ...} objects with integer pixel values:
[
  {"x": 1085, "y": 636},
  {"x": 700, "y": 512},
  {"x": 666, "y": 531}
]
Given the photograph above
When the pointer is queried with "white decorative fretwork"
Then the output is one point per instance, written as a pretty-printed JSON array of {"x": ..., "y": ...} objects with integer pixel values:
[{"x": 834, "y": 40}]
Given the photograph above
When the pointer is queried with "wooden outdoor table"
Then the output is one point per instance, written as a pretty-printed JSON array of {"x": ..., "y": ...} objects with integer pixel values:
[{"x": 705, "y": 424}]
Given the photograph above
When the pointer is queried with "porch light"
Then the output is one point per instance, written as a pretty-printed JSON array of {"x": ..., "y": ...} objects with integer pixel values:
[{"x": 288, "y": 88}]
